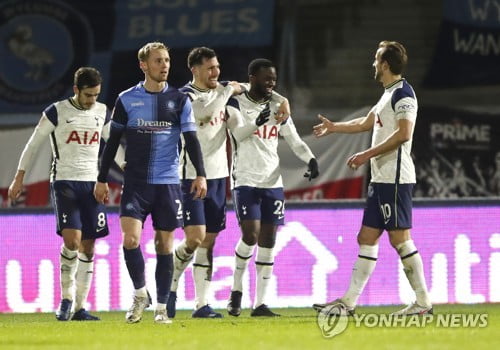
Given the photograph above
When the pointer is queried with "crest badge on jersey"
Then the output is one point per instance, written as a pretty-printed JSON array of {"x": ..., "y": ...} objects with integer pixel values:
[
  {"x": 170, "y": 105},
  {"x": 44, "y": 42}
]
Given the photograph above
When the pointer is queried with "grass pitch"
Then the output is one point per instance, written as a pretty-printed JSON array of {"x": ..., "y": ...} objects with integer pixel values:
[{"x": 296, "y": 329}]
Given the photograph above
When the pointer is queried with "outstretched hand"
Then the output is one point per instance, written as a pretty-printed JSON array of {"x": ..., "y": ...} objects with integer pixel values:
[
  {"x": 312, "y": 169},
  {"x": 326, "y": 127}
]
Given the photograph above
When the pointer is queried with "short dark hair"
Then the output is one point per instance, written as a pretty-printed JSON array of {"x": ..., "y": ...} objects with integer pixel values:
[
  {"x": 395, "y": 56},
  {"x": 259, "y": 63},
  {"x": 87, "y": 77},
  {"x": 196, "y": 55}
]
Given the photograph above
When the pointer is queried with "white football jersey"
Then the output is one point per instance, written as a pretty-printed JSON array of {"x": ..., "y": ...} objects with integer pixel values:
[
  {"x": 398, "y": 102},
  {"x": 255, "y": 158},
  {"x": 75, "y": 136},
  {"x": 209, "y": 109}
]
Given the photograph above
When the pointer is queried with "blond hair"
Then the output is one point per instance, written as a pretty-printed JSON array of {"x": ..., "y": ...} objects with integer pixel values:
[{"x": 143, "y": 53}]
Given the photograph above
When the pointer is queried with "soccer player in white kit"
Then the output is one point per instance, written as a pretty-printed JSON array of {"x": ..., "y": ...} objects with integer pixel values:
[
  {"x": 389, "y": 202},
  {"x": 204, "y": 219},
  {"x": 257, "y": 185},
  {"x": 75, "y": 126}
]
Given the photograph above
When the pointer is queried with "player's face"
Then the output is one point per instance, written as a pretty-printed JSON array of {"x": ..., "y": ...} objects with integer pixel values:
[
  {"x": 207, "y": 73},
  {"x": 264, "y": 81},
  {"x": 87, "y": 97},
  {"x": 157, "y": 66},
  {"x": 377, "y": 64}
]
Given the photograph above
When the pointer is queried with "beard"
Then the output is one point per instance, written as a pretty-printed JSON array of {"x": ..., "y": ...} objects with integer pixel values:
[
  {"x": 211, "y": 84},
  {"x": 265, "y": 93}
]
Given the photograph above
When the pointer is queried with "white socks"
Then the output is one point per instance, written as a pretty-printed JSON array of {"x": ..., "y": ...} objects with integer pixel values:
[
  {"x": 141, "y": 292},
  {"x": 68, "y": 262},
  {"x": 181, "y": 260},
  {"x": 84, "y": 273},
  {"x": 264, "y": 265},
  {"x": 414, "y": 270},
  {"x": 243, "y": 253},
  {"x": 202, "y": 275},
  {"x": 76, "y": 271},
  {"x": 361, "y": 272}
]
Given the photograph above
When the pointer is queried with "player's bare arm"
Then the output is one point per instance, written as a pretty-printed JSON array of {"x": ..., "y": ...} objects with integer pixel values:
[
  {"x": 327, "y": 127},
  {"x": 399, "y": 136}
]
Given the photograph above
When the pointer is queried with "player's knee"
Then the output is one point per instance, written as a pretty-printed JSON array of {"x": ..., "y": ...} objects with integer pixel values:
[
  {"x": 395, "y": 241},
  {"x": 250, "y": 238},
  {"x": 130, "y": 242},
  {"x": 194, "y": 241},
  {"x": 72, "y": 244}
]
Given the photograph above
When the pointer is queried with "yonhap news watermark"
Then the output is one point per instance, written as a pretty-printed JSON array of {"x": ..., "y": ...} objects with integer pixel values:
[{"x": 333, "y": 320}]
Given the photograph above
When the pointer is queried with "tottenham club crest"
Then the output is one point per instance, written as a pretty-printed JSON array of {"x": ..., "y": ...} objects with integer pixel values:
[{"x": 43, "y": 43}]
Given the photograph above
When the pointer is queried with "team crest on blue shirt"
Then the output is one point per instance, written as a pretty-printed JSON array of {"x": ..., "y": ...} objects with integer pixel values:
[{"x": 170, "y": 105}]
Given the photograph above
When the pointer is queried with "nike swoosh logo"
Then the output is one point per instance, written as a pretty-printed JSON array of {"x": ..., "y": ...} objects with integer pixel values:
[
  {"x": 266, "y": 278},
  {"x": 100, "y": 229},
  {"x": 70, "y": 121}
]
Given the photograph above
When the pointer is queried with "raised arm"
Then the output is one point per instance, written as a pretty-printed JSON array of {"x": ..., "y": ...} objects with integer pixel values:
[
  {"x": 213, "y": 102},
  {"x": 237, "y": 126},
  {"x": 360, "y": 124}
]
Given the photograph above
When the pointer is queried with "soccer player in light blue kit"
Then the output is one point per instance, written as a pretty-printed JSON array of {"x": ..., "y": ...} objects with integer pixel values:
[
  {"x": 152, "y": 116},
  {"x": 389, "y": 202}
]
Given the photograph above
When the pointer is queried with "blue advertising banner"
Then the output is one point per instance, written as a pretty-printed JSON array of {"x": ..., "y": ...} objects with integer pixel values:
[
  {"x": 468, "y": 48},
  {"x": 43, "y": 42},
  {"x": 187, "y": 23}
]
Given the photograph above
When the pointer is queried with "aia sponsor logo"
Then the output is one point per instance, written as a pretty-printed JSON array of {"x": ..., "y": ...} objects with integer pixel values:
[
  {"x": 84, "y": 138},
  {"x": 267, "y": 132}
]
